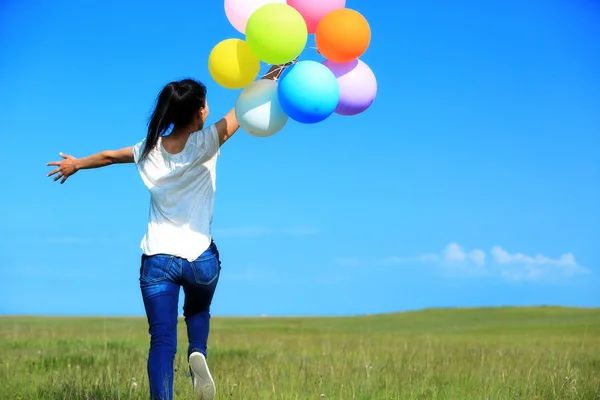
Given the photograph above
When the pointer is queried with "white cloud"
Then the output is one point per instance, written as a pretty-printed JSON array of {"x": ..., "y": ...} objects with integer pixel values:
[
  {"x": 82, "y": 240},
  {"x": 347, "y": 261},
  {"x": 242, "y": 231},
  {"x": 254, "y": 231},
  {"x": 424, "y": 258},
  {"x": 68, "y": 240},
  {"x": 502, "y": 256},
  {"x": 453, "y": 253},
  {"x": 477, "y": 256},
  {"x": 429, "y": 257},
  {"x": 519, "y": 266},
  {"x": 474, "y": 262},
  {"x": 300, "y": 231}
]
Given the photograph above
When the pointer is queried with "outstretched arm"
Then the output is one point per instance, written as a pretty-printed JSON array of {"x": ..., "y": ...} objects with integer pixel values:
[
  {"x": 228, "y": 125},
  {"x": 70, "y": 164}
]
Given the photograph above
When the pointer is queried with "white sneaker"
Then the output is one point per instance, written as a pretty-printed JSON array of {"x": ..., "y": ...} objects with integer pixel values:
[{"x": 204, "y": 386}]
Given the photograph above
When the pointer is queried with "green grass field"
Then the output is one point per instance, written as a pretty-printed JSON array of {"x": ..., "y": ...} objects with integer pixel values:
[{"x": 495, "y": 353}]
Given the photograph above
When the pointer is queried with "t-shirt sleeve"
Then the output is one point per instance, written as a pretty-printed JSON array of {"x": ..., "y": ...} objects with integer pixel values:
[
  {"x": 138, "y": 149},
  {"x": 210, "y": 141}
]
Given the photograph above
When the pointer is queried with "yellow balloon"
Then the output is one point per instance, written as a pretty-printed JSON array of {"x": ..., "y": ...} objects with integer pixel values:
[{"x": 232, "y": 65}]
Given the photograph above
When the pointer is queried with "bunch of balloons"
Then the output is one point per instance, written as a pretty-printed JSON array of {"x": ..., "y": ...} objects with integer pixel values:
[{"x": 276, "y": 32}]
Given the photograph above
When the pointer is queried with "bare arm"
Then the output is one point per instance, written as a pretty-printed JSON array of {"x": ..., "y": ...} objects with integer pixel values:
[
  {"x": 70, "y": 164},
  {"x": 228, "y": 125}
]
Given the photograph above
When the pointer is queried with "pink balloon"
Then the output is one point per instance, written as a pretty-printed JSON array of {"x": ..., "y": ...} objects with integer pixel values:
[
  {"x": 238, "y": 11},
  {"x": 358, "y": 86},
  {"x": 314, "y": 10}
]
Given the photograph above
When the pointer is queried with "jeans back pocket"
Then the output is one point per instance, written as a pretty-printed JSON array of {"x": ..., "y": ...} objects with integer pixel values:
[
  {"x": 206, "y": 269},
  {"x": 155, "y": 268}
]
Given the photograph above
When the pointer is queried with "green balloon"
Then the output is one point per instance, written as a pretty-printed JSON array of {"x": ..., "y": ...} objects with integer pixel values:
[{"x": 276, "y": 33}]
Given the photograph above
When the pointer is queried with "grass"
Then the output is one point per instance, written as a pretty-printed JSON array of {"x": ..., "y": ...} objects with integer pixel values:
[{"x": 488, "y": 353}]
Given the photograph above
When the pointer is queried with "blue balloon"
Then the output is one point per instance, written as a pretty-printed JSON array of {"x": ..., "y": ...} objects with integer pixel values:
[{"x": 308, "y": 92}]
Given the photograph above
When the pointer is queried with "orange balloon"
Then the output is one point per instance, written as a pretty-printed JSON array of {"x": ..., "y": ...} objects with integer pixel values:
[{"x": 343, "y": 35}]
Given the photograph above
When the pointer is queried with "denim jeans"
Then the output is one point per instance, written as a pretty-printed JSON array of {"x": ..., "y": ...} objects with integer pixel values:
[{"x": 161, "y": 277}]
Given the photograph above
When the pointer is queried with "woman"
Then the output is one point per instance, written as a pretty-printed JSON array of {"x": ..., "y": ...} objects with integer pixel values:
[{"x": 179, "y": 170}]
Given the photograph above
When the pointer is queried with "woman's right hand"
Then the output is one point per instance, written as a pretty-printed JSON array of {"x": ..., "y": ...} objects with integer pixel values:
[
  {"x": 65, "y": 169},
  {"x": 229, "y": 124},
  {"x": 276, "y": 70},
  {"x": 70, "y": 164}
]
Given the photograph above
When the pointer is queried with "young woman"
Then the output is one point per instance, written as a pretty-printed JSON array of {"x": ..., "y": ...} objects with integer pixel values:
[{"x": 179, "y": 170}]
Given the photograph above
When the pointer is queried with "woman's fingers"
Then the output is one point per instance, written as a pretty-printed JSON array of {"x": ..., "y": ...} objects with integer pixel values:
[
  {"x": 58, "y": 177},
  {"x": 53, "y": 172}
]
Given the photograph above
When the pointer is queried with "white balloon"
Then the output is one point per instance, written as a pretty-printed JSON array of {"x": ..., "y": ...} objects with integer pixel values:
[
  {"x": 258, "y": 111},
  {"x": 238, "y": 11}
]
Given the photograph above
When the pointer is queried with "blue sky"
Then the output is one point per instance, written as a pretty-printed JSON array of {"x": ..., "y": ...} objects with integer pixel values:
[{"x": 473, "y": 180}]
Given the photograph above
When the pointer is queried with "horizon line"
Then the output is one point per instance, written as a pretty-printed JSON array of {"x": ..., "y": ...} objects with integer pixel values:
[{"x": 258, "y": 316}]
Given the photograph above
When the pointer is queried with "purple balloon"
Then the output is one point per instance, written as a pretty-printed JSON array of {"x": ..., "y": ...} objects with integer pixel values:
[{"x": 358, "y": 86}]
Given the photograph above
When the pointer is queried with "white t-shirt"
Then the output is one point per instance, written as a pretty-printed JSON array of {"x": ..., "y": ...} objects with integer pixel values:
[{"x": 182, "y": 192}]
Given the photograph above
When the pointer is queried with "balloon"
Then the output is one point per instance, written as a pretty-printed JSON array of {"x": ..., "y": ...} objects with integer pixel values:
[
  {"x": 343, "y": 35},
  {"x": 238, "y": 11},
  {"x": 276, "y": 33},
  {"x": 358, "y": 86},
  {"x": 258, "y": 111},
  {"x": 232, "y": 65},
  {"x": 308, "y": 92},
  {"x": 314, "y": 10}
]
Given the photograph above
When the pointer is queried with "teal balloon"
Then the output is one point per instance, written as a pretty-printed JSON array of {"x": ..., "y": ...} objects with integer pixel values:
[
  {"x": 258, "y": 111},
  {"x": 308, "y": 92}
]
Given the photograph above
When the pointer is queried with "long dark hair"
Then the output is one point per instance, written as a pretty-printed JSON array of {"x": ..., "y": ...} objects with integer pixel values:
[{"x": 175, "y": 106}]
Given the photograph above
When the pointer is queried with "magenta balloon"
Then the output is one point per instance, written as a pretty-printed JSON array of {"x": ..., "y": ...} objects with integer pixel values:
[
  {"x": 314, "y": 10},
  {"x": 358, "y": 86}
]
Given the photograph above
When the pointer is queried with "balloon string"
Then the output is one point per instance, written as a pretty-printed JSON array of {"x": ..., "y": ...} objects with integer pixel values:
[
  {"x": 295, "y": 60},
  {"x": 282, "y": 67}
]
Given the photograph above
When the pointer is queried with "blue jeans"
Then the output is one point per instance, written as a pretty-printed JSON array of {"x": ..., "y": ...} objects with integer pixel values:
[{"x": 161, "y": 277}]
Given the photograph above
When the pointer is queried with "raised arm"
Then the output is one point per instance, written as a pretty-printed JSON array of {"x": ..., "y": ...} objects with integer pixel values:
[
  {"x": 70, "y": 164},
  {"x": 228, "y": 125}
]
